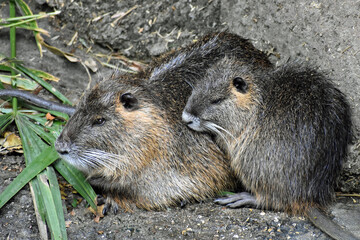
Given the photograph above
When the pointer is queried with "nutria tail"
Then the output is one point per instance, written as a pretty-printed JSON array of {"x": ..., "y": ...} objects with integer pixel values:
[{"x": 321, "y": 221}]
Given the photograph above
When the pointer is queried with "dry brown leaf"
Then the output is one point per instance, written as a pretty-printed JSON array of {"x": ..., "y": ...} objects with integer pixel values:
[
  {"x": 56, "y": 51},
  {"x": 90, "y": 63},
  {"x": 49, "y": 117},
  {"x": 98, "y": 213},
  {"x": 67, "y": 223},
  {"x": 11, "y": 142}
]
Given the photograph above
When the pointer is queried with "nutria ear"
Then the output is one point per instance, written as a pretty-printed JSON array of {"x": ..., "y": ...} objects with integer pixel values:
[
  {"x": 240, "y": 84},
  {"x": 129, "y": 101}
]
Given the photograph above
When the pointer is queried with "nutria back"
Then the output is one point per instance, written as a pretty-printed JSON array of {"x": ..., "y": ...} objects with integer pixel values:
[
  {"x": 170, "y": 72},
  {"x": 286, "y": 130}
]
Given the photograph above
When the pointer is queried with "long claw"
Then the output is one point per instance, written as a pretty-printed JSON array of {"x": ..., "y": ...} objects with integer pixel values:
[
  {"x": 237, "y": 200},
  {"x": 110, "y": 203}
]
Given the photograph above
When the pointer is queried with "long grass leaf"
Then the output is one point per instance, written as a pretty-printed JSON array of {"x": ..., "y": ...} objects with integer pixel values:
[
  {"x": 46, "y": 136},
  {"x": 27, "y": 11},
  {"x": 43, "y": 83},
  {"x": 55, "y": 191},
  {"x": 48, "y": 156},
  {"x": 13, "y": 52},
  {"x": 54, "y": 113},
  {"x": 77, "y": 180},
  {"x": 39, "y": 208},
  {"x": 5, "y": 120},
  {"x": 20, "y": 23},
  {"x": 32, "y": 144},
  {"x": 52, "y": 201},
  {"x": 44, "y": 75},
  {"x": 24, "y": 83},
  {"x": 4, "y": 67},
  {"x": 31, "y": 16},
  {"x": 24, "y": 26}
]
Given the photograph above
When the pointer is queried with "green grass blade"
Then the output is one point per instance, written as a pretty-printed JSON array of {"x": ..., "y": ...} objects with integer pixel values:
[
  {"x": 49, "y": 202},
  {"x": 27, "y": 18},
  {"x": 54, "y": 113},
  {"x": 77, "y": 180},
  {"x": 13, "y": 50},
  {"x": 39, "y": 208},
  {"x": 24, "y": 83},
  {"x": 5, "y": 120},
  {"x": 52, "y": 200},
  {"x": 27, "y": 11},
  {"x": 5, "y": 68},
  {"x": 18, "y": 24},
  {"x": 43, "y": 83},
  {"x": 38, "y": 118},
  {"x": 43, "y": 74},
  {"x": 32, "y": 17},
  {"x": 32, "y": 144},
  {"x": 48, "y": 156},
  {"x": 40, "y": 131},
  {"x": 46, "y": 133}
]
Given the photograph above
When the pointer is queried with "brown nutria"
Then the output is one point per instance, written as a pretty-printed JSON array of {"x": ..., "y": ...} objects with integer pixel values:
[
  {"x": 286, "y": 131},
  {"x": 132, "y": 148}
]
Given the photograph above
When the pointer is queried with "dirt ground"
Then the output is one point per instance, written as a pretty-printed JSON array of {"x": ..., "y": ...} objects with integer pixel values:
[{"x": 322, "y": 34}]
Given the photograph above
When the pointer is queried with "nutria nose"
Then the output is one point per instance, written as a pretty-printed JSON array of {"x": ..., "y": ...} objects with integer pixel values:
[
  {"x": 186, "y": 117},
  {"x": 62, "y": 147}
]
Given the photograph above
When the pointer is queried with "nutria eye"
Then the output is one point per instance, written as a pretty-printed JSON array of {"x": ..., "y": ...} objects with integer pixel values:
[
  {"x": 240, "y": 84},
  {"x": 99, "y": 121},
  {"x": 129, "y": 101},
  {"x": 217, "y": 101}
]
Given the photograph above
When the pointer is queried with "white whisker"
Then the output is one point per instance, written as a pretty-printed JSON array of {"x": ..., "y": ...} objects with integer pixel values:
[
  {"x": 220, "y": 131},
  {"x": 224, "y": 130},
  {"x": 96, "y": 158}
]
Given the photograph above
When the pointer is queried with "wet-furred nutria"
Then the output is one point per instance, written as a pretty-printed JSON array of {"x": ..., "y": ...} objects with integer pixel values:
[
  {"x": 133, "y": 149},
  {"x": 287, "y": 132}
]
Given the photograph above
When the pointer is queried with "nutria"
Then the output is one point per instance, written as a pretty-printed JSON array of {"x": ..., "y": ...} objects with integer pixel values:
[
  {"x": 287, "y": 132},
  {"x": 137, "y": 152}
]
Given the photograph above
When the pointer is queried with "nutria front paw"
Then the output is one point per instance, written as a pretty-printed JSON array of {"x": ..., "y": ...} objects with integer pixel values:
[{"x": 237, "y": 200}]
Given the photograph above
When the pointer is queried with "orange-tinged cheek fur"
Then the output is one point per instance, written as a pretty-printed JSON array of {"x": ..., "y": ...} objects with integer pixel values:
[
  {"x": 151, "y": 130},
  {"x": 133, "y": 118},
  {"x": 244, "y": 101}
]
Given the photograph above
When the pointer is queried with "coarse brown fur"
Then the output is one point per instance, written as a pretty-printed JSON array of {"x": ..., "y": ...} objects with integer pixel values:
[{"x": 286, "y": 130}]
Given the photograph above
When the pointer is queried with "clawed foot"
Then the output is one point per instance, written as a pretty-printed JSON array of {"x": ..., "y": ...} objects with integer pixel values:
[
  {"x": 237, "y": 200},
  {"x": 109, "y": 203}
]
